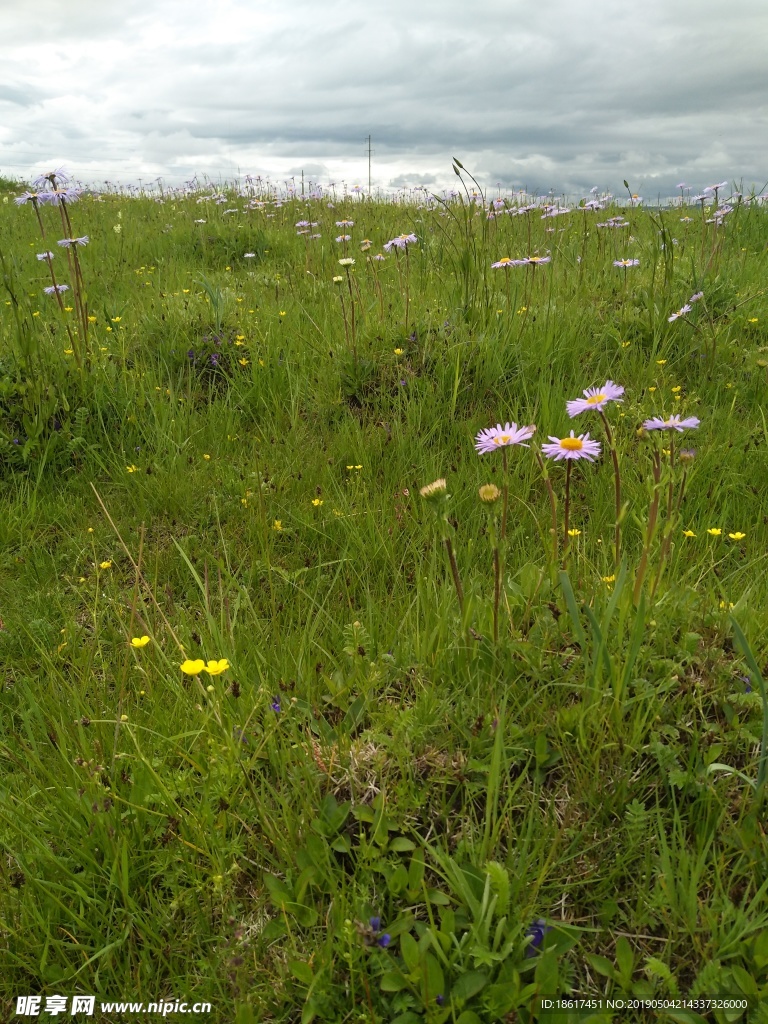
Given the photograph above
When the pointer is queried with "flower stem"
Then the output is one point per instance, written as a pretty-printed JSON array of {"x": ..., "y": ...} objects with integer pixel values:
[
  {"x": 567, "y": 511},
  {"x": 455, "y": 571},
  {"x": 617, "y": 487},
  {"x": 650, "y": 529},
  {"x": 552, "y": 502}
]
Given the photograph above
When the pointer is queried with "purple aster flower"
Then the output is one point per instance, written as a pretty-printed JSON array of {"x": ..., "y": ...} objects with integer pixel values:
[
  {"x": 45, "y": 255},
  {"x": 673, "y": 423},
  {"x": 626, "y": 263},
  {"x": 595, "y": 398},
  {"x": 536, "y": 934},
  {"x": 59, "y": 175},
  {"x": 56, "y": 289},
  {"x": 55, "y": 196},
  {"x": 580, "y": 447},
  {"x": 681, "y": 312},
  {"x": 344, "y": 238},
  {"x": 345, "y": 223},
  {"x": 384, "y": 941},
  {"x": 25, "y": 197},
  {"x": 65, "y": 243},
  {"x": 497, "y": 437},
  {"x": 215, "y": 359},
  {"x": 536, "y": 260},
  {"x": 401, "y": 242},
  {"x": 505, "y": 261},
  {"x": 275, "y": 705},
  {"x": 375, "y": 923},
  {"x": 696, "y": 297}
]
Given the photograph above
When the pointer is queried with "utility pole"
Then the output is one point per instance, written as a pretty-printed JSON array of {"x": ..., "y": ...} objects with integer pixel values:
[{"x": 369, "y": 164}]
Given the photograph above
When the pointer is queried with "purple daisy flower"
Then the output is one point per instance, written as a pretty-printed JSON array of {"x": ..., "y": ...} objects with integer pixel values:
[
  {"x": 344, "y": 238},
  {"x": 59, "y": 174},
  {"x": 65, "y": 243},
  {"x": 45, "y": 255},
  {"x": 56, "y": 288},
  {"x": 25, "y": 197},
  {"x": 696, "y": 296},
  {"x": 497, "y": 437},
  {"x": 681, "y": 312},
  {"x": 673, "y": 423},
  {"x": 580, "y": 447},
  {"x": 401, "y": 242},
  {"x": 626, "y": 263},
  {"x": 55, "y": 196},
  {"x": 595, "y": 398}
]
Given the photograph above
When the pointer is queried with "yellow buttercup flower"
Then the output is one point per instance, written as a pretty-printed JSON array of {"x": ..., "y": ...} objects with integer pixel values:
[
  {"x": 609, "y": 579},
  {"x": 105, "y": 565},
  {"x": 215, "y": 668},
  {"x": 737, "y": 536},
  {"x": 688, "y": 533},
  {"x": 574, "y": 533},
  {"x": 714, "y": 532},
  {"x": 193, "y": 668},
  {"x": 139, "y": 641},
  {"x": 317, "y": 502},
  {"x": 277, "y": 525}
]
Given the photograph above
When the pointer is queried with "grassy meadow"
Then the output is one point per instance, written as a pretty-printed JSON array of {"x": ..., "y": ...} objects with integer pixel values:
[{"x": 281, "y": 733}]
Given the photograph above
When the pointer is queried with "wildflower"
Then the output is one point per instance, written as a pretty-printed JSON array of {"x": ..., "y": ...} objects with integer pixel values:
[
  {"x": 737, "y": 536},
  {"x": 105, "y": 565},
  {"x": 681, "y": 312},
  {"x": 580, "y": 447},
  {"x": 338, "y": 278},
  {"x": 536, "y": 260},
  {"x": 489, "y": 493},
  {"x": 626, "y": 263},
  {"x": 215, "y": 668},
  {"x": 437, "y": 489},
  {"x": 192, "y": 668},
  {"x": 688, "y": 533},
  {"x": 505, "y": 261},
  {"x": 45, "y": 255},
  {"x": 275, "y": 705},
  {"x": 398, "y": 351},
  {"x": 535, "y": 934},
  {"x": 55, "y": 196},
  {"x": 497, "y": 437},
  {"x": 726, "y": 605},
  {"x": 696, "y": 297},
  {"x": 609, "y": 579},
  {"x": 595, "y": 398},
  {"x": 687, "y": 454},
  {"x": 56, "y": 289},
  {"x": 59, "y": 174},
  {"x": 132, "y": 469},
  {"x": 246, "y": 256},
  {"x": 345, "y": 223},
  {"x": 346, "y": 262},
  {"x": 277, "y": 524},
  {"x": 317, "y": 502},
  {"x": 346, "y": 238},
  {"x": 65, "y": 243},
  {"x": 139, "y": 641},
  {"x": 673, "y": 423},
  {"x": 401, "y": 242},
  {"x": 574, "y": 533},
  {"x": 715, "y": 531}
]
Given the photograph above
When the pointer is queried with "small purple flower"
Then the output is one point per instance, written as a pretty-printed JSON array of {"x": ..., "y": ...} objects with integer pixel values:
[
  {"x": 681, "y": 312},
  {"x": 491, "y": 438},
  {"x": 581, "y": 447},
  {"x": 375, "y": 923},
  {"x": 215, "y": 359},
  {"x": 401, "y": 242},
  {"x": 56, "y": 288},
  {"x": 59, "y": 175},
  {"x": 536, "y": 934},
  {"x": 275, "y": 705},
  {"x": 747, "y": 683},
  {"x": 696, "y": 297},
  {"x": 595, "y": 398},
  {"x": 55, "y": 196},
  {"x": 673, "y": 423},
  {"x": 45, "y": 255},
  {"x": 384, "y": 941},
  {"x": 65, "y": 243},
  {"x": 626, "y": 263},
  {"x": 440, "y": 1000}
]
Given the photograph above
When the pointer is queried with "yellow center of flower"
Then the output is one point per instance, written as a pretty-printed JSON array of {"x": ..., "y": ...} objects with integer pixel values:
[
  {"x": 502, "y": 439},
  {"x": 571, "y": 444},
  {"x": 595, "y": 399}
]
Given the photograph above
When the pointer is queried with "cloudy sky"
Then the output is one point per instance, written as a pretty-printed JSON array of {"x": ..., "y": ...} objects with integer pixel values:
[{"x": 561, "y": 94}]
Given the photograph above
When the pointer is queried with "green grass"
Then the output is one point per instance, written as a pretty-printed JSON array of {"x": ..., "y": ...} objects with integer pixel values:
[{"x": 599, "y": 769}]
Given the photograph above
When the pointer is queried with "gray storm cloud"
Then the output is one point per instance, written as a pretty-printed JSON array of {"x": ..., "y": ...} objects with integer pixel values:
[{"x": 565, "y": 96}]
